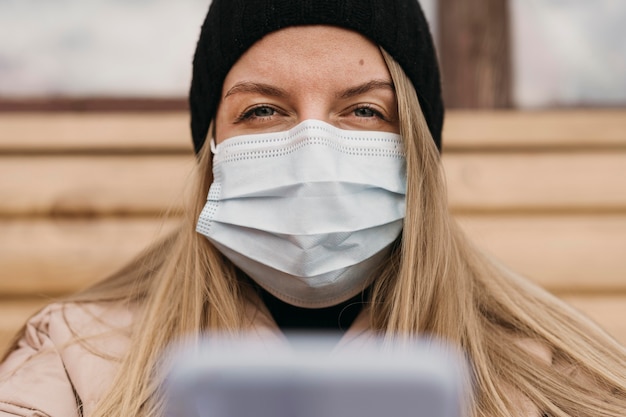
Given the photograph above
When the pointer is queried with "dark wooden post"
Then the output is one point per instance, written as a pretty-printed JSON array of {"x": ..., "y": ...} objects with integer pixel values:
[{"x": 475, "y": 53}]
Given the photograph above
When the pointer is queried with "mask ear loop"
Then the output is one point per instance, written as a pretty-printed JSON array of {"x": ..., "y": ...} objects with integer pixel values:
[
  {"x": 213, "y": 146},
  {"x": 211, "y": 132}
]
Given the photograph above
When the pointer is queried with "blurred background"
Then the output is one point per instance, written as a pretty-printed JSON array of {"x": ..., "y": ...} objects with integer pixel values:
[
  {"x": 550, "y": 53},
  {"x": 94, "y": 141}
]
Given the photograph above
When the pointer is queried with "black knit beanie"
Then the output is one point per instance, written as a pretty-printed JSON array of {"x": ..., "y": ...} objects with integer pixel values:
[{"x": 233, "y": 26}]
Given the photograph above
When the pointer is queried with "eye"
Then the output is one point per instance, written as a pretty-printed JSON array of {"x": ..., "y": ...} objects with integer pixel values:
[
  {"x": 365, "y": 112},
  {"x": 369, "y": 116},
  {"x": 263, "y": 111},
  {"x": 257, "y": 112}
]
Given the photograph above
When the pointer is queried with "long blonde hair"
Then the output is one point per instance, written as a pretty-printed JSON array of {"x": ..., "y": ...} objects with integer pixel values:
[{"x": 435, "y": 282}]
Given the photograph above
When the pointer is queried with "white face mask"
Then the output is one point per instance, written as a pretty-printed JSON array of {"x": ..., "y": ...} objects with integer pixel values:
[{"x": 310, "y": 213}]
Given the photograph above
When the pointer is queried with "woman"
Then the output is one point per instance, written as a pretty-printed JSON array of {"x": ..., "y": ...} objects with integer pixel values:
[{"x": 317, "y": 126}]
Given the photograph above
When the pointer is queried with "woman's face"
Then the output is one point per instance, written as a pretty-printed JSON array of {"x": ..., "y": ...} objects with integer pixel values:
[{"x": 307, "y": 72}]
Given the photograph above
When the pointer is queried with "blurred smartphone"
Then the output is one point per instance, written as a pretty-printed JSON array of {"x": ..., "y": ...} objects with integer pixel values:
[{"x": 309, "y": 378}]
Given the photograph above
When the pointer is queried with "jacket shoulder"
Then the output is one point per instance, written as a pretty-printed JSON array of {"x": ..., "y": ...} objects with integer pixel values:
[{"x": 66, "y": 357}]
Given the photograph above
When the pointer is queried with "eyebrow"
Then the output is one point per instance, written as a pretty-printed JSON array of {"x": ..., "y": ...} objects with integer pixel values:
[
  {"x": 260, "y": 88},
  {"x": 366, "y": 87},
  {"x": 273, "y": 91}
]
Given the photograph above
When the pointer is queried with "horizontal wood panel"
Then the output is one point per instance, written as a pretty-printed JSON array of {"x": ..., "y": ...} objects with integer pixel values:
[
  {"x": 40, "y": 132},
  {"x": 91, "y": 185},
  {"x": 165, "y": 131},
  {"x": 607, "y": 311},
  {"x": 45, "y": 257},
  {"x": 561, "y": 253},
  {"x": 586, "y": 128},
  {"x": 566, "y": 254},
  {"x": 537, "y": 181},
  {"x": 104, "y": 185}
]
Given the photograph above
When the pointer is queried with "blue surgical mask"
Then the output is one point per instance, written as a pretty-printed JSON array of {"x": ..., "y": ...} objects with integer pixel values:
[{"x": 310, "y": 213}]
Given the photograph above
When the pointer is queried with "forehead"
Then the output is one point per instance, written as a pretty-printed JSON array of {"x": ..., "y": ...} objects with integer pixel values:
[{"x": 310, "y": 54}]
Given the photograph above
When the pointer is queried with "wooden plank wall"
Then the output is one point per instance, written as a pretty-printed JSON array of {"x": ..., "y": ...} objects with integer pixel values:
[{"x": 81, "y": 193}]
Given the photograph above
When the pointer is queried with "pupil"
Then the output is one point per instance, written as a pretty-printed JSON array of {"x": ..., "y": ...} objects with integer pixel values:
[
  {"x": 263, "y": 112},
  {"x": 364, "y": 112}
]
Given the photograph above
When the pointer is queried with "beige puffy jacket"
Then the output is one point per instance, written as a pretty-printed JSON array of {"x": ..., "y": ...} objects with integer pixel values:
[{"x": 49, "y": 374}]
